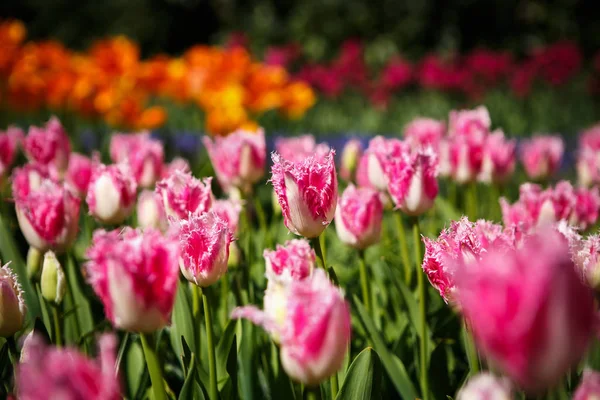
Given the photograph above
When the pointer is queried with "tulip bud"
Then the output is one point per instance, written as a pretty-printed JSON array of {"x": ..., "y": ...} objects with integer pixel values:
[
  {"x": 358, "y": 217},
  {"x": 589, "y": 387},
  {"x": 204, "y": 243},
  {"x": 485, "y": 386},
  {"x": 350, "y": 156},
  {"x": 135, "y": 276},
  {"x": 542, "y": 155},
  {"x": 48, "y": 146},
  {"x": 306, "y": 192},
  {"x": 111, "y": 194},
  {"x": 12, "y": 303},
  {"x": 499, "y": 158},
  {"x": 238, "y": 158},
  {"x": 529, "y": 312},
  {"x": 293, "y": 261},
  {"x": 9, "y": 141},
  {"x": 183, "y": 194},
  {"x": 34, "y": 262},
  {"x": 150, "y": 211},
  {"x": 377, "y": 155},
  {"x": 79, "y": 173},
  {"x": 144, "y": 155},
  {"x": 424, "y": 132},
  {"x": 54, "y": 281},
  {"x": 295, "y": 149}
]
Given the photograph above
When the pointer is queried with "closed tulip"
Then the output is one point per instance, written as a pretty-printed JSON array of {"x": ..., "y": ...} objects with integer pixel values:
[
  {"x": 350, "y": 156},
  {"x": 150, "y": 211},
  {"x": 293, "y": 261},
  {"x": 486, "y": 386},
  {"x": 111, "y": 193},
  {"x": 12, "y": 303},
  {"x": 143, "y": 154},
  {"x": 358, "y": 217},
  {"x": 48, "y": 145},
  {"x": 183, "y": 194},
  {"x": 79, "y": 173},
  {"x": 542, "y": 155}
]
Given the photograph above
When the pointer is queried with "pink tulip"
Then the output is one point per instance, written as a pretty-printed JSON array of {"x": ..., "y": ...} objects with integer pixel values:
[
  {"x": 53, "y": 373},
  {"x": 358, "y": 217},
  {"x": 176, "y": 164},
  {"x": 238, "y": 159},
  {"x": 49, "y": 145},
  {"x": 499, "y": 158},
  {"x": 294, "y": 261},
  {"x": 485, "y": 386},
  {"x": 12, "y": 303},
  {"x": 412, "y": 181},
  {"x": 350, "y": 156},
  {"x": 9, "y": 142},
  {"x": 48, "y": 212},
  {"x": 111, "y": 193},
  {"x": 587, "y": 206},
  {"x": 307, "y": 192},
  {"x": 135, "y": 276},
  {"x": 589, "y": 387},
  {"x": 465, "y": 157},
  {"x": 377, "y": 156},
  {"x": 586, "y": 255},
  {"x": 151, "y": 212},
  {"x": 424, "y": 132},
  {"x": 79, "y": 173},
  {"x": 229, "y": 211},
  {"x": 313, "y": 328},
  {"x": 296, "y": 149},
  {"x": 530, "y": 314},
  {"x": 541, "y": 156},
  {"x": 204, "y": 242},
  {"x": 144, "y": 155},
  {"x": 183, "y": 194},
  {"x": 588, "y": 156},
  {"x": 469, "y": 123}
]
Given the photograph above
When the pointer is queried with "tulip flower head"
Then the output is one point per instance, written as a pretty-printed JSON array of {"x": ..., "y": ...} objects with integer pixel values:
[
  {"x": 176, "y": 164},
  {"x": 9, "y": 142},
  {"x": 48, "y": 145},
  {"x": 79, "y": 173},
  {"x": 542, "y": 155},
  {"x": 229, "y": 211},
  {"x": 293, "y": 261},
  {"x": 377, "y": 156},
  {"x": 183, "y": 194},
  {"x": 412, "y": 181},
  {"x": 313, "y": 328},
  {"x": 50, "y": 373},
  {"x": 296, "y": 149},
  {"x": 135, "y": 276},
  {"x": 499, "y": 158},
  {"x": 350, "y": 156},
  {"x": 307, "y": 193},
  {"x": 144, "y": 155},
  {"x": 204, "y": 242},
  {"x": 47, "y": 212},
  {"x": 54, "y": 281},
  {"x": 150, "y": 211},
  {"x": 111, "y": 193},
  {"x": 589, "y": 387},
  {"x": 424, "y": 132},
  {"x": 469, "y": 123},
  {"x": 358, "y": 217},
  {"x": 586, "y": 255},
  {"x": 529, "y": 312},
  {"x": 238, "y": 159},
  {"x": 485, "y": 386},
  {"x": 588, "y": 156},
  {"x": 12, "y": 303}
]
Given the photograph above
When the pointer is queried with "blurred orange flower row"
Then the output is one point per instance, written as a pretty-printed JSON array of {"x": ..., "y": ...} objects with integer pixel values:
[{"x": 111, "y": 82}]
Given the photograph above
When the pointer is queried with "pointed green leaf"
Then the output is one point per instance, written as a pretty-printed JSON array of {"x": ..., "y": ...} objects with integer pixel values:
[
  {"x": 135, "y": 366},
  {"x": 191, "y": 389},
  {"x": 182, "y": 323},
  {"x": 224, "y": 348},
  {"x": 363, "y": 378}
]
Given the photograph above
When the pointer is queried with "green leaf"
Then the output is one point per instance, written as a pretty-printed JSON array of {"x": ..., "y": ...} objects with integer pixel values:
[
  {"x": 230, "y": 389},
  {"x": 135, "y": 366},
  {"x": 447, "y": 211},
  {"x": 182, "y": 323},
  {"x": 393, "y": 365},
  {"x": 10, "y": 252},
  {"x": 363, "y": 378},
  {"x": 224, "y": 348},
  {"x": 191, "y": 389},
  {"x": 81, "y": 302}
]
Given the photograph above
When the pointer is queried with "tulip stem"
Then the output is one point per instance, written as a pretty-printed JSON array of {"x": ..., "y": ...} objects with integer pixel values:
[
  {"x": 158, "y": 385},
  {"x": 403, "y": 248},
  {"x": 319, "y": 245},
  {"x": 57, "y": 333},
  {"x": 212, "y": 365},
  {"x": 333, "y": 381},
  {"x": 471, "y": 350},
  {"x": 312, "y": 393},
  {"x": 262, "y": 222},
  {"x": 422, "y": 308},
  {"x": 471, "y": 202},
  {"x": 364, "y": 282},
  {"x": 12, "y": 350}
]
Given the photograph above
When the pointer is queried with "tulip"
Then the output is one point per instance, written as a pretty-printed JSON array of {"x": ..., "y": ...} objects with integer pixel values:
[
  {"x": 111, "y": 193},
  {"x": 424, "y": 132},
  {"x": 529, "y": 312},
  {"x": 306, "y": 192},
  {"x": 204, "y": 242},
  {"x": 12, "y": 303},
  {"x": 313, "y": 327},
  {"x": 293, "y": 261},
  {"x": 229, "y": 211},
  {"x": 183, "y": 194},
  {"x": 296, "y": 149},
  {"x": 238, "y": 159},
  {"x": 358, "y": 217},
  {"x": 135, "y": 276},
  {"x": 586, "y": 255},
  {"x": 53, "y": 282},
  {"x": 350, "y": 155},
  {"x": 377, "y": 155},
  {"x": 485, "y": 386},
  {"x": 150, "y": 211},
  {"x": 144, "y": 155},
  {"x": 587, "y": 206},
  {"x": 9, "y": 141},
  {"x": 589, "y": 387},
  {"x": 588, "y": 156},
  {"x": 49, "y": 145},
  {"x": 412, "y": 181},
  {"x": 499, "y": 158},
  {"x": 177, "y": 164},
  {"x": 469, "y": 123},
  {"x": 542, "y": 155},
  {"x": 79, "y": 173},
  {"x": 47, "y": 212},
  {"x": 52, "y": 373}
]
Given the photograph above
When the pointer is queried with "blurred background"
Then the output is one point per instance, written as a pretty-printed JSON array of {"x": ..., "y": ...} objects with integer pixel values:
[{"x": 355, "y": 67}]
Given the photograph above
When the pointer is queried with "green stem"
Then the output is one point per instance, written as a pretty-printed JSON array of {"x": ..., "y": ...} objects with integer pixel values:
[
  {"x": 422, "y": 309},
  {"x": 364, "y": 281},
  {"x": 471, "y": 203},
  {"x": 212, "y": 364},
  {"x": 333, "y": 381},
  {"x": 12, "y": 350},
  {"x": 317, "y": 245},
  {"x": 57, "y": 333},
  {"x": 158, "y": 385},
  {"x": 262, "y": 221},
  {"x": 312, "y": 393},
  {"x": 471, "y": 351},
  {"x": 196, "y": 295},
  {"x": 224, "y": 299},
  {"x": 403, "y": 248}
]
